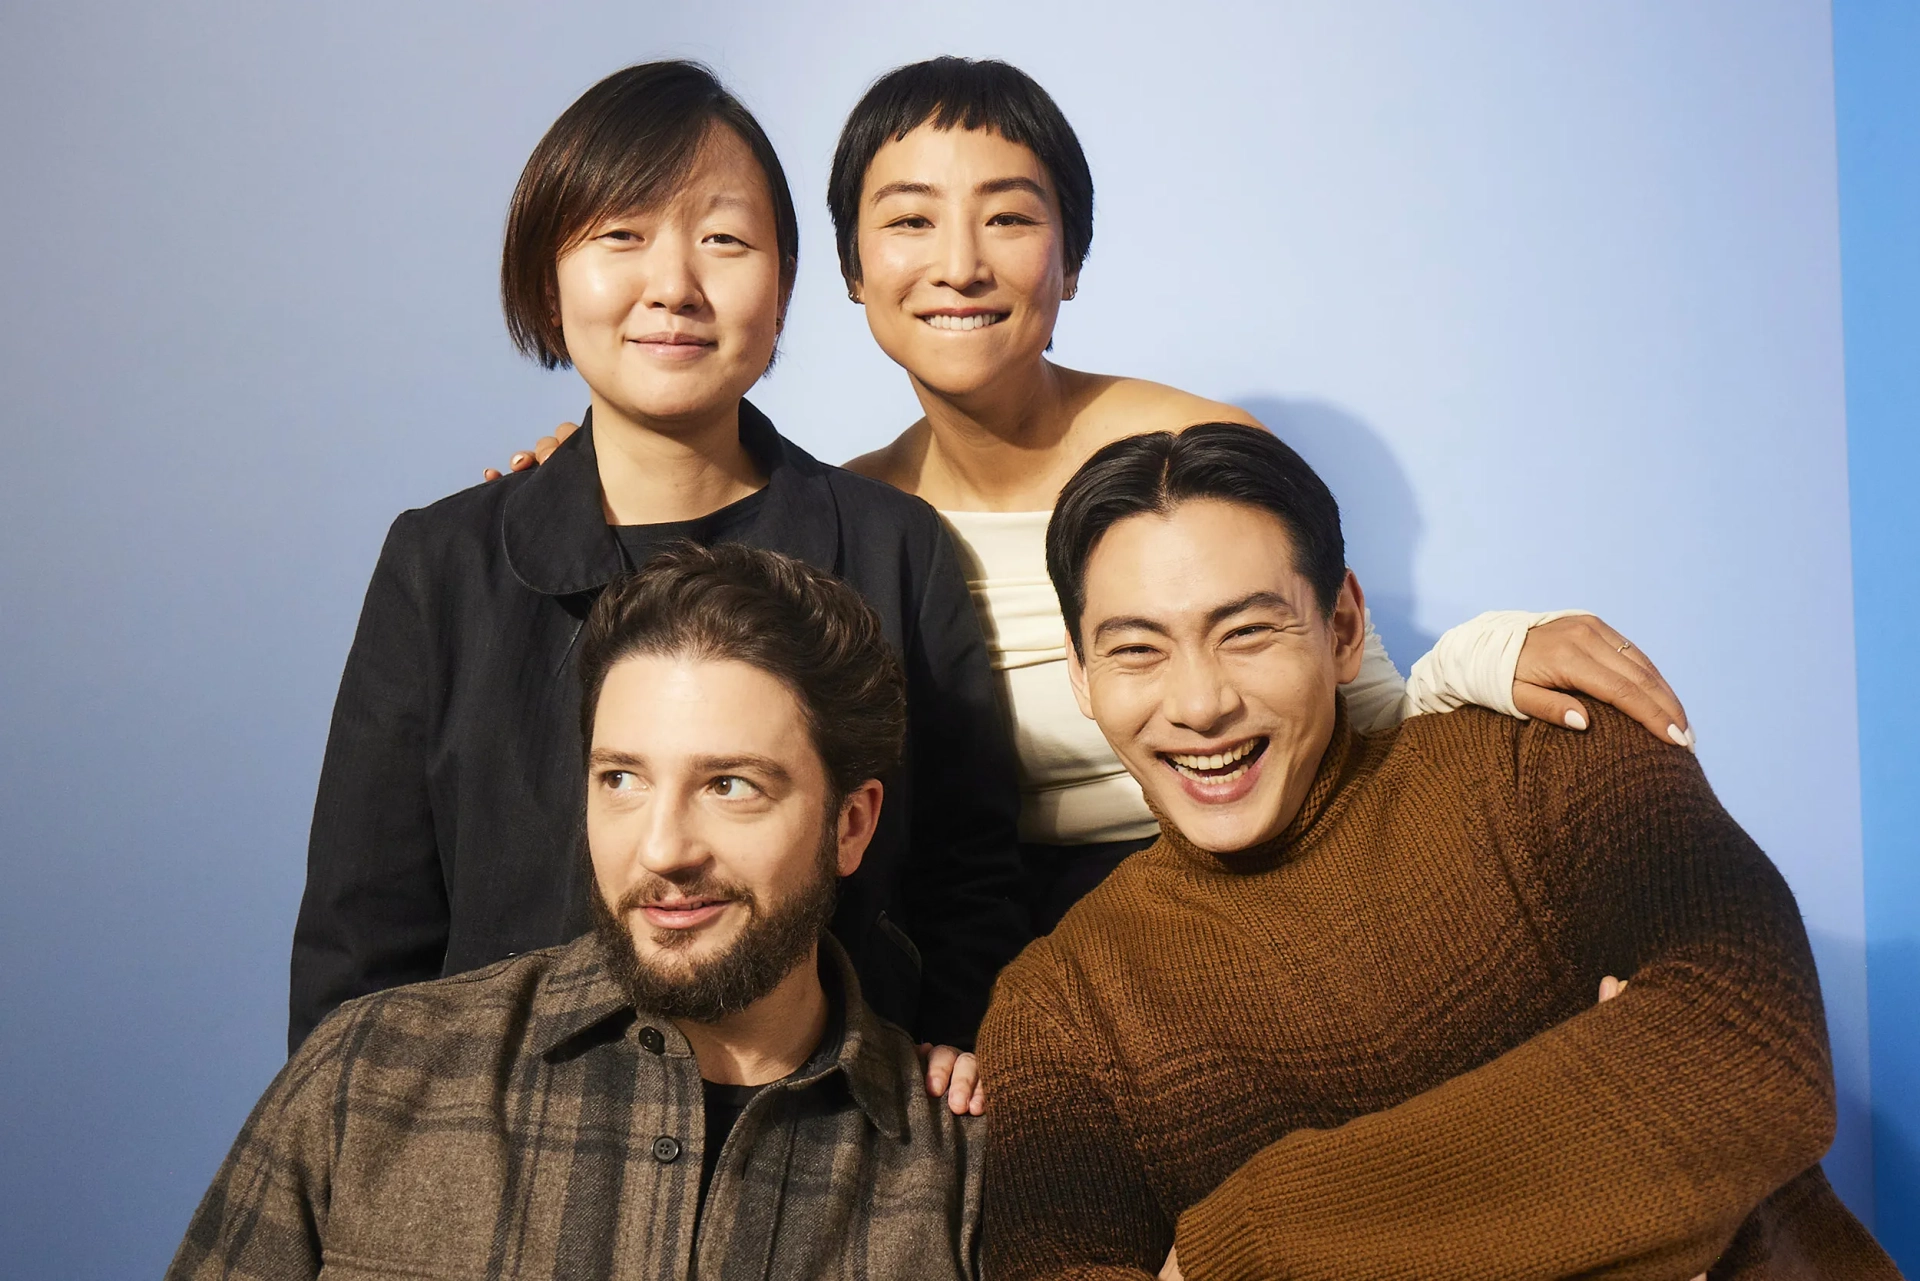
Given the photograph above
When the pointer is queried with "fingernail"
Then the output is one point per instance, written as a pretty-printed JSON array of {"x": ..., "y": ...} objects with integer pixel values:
[
  {"x": 517, "y": 459},
  {"x": 1575, "y": 720},
  {"x": 1679, "y": 736}
]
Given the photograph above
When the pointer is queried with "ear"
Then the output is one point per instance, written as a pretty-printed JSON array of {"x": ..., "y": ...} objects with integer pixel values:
[
  {"x": 1069, "y": 286},
  {"x": 1077, "y": 677},
  {"x": 859, "y": 817},
  {"x": 1349, "y": 627}
]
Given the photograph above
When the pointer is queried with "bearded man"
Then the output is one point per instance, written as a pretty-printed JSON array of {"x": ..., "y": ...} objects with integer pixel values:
[
  {"x": 696, "y": 1086},
  {"x": 1340, "y": 1020}
]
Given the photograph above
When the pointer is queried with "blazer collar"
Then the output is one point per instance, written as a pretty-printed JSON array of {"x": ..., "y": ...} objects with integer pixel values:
[{"x": 558, "y": 542}]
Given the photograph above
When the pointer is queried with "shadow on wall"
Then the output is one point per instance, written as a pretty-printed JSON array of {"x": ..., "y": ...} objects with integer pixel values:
[{"x": 1378, "y": 513}]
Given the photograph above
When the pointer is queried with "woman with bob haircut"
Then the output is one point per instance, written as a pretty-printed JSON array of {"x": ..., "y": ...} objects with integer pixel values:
[
  {"x": 651, "y": 244},
  {"x": 962, "y": 207}
]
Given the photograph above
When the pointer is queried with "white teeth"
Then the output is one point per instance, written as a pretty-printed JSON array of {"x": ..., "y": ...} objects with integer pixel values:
[
  {"x": 1215, "y": 779},
  {"x": 1215, "y": 761},
  {"x": 965, "y": 322}
]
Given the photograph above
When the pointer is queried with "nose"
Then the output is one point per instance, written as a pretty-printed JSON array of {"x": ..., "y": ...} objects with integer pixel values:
[
  {"x": 958, "y": 263},
  {"x": 1199, "y": 695},
  {"x": 667, "y": 843},
  {"x": 672, "y": 280}
]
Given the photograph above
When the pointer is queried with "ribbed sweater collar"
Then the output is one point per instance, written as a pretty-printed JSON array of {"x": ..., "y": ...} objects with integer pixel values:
[{"x": 1322, "y": 804}]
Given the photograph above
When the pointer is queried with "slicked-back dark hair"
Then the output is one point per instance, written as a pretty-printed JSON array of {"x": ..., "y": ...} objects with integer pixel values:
[
  {"x": 948, "y": 92},
  {"x": 1155, "y": 473},
  {"x": 624, "y": 145},
  {"x": 800, "y": 625}
]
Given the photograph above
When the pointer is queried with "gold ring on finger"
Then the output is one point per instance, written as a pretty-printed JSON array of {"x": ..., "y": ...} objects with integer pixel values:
[{"x": 1625, "y": 645}]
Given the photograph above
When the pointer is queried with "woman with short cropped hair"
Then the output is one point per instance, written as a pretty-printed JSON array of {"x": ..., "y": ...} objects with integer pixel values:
[
  {"x": 651, "y": 244},
  {"x": 963, "y": 213}
]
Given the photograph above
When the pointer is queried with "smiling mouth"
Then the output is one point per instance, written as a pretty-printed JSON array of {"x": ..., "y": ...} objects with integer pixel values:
[
  {"x": 683, "y": 913},
  {"x": 1220, "y": 768},
  {"x": 979, "y": 320}
]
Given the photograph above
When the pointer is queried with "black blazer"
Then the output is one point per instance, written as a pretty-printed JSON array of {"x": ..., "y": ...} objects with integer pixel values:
[{"x": 446, "y": 830}]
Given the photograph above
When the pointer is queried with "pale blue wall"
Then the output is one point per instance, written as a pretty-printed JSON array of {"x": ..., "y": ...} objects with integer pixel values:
[
  {"x": 1550, "y": 292},
  {"x": 1877, "y": 93}
]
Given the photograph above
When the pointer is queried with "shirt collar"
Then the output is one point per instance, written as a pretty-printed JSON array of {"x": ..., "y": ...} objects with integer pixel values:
[
  {"x": 1339, "y": 764},
  {"x": 580, "y": 996},
  {"x": 555, "y": 530}
]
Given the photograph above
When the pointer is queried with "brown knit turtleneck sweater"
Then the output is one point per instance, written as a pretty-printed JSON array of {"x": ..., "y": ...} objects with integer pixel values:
[{"x": 1370, "y": 1047}]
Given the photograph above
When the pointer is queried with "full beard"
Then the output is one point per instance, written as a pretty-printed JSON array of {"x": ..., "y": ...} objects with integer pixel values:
[{"x": 776, "y": 939}]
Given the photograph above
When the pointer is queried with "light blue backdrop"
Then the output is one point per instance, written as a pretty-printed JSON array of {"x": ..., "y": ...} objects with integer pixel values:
[
  {"x": 1877, "y": 95},
  {"x": 1551, "y": 293}
]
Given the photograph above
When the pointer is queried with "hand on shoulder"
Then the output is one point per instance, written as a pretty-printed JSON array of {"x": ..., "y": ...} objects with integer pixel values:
[{"x": 541, "y": 451}]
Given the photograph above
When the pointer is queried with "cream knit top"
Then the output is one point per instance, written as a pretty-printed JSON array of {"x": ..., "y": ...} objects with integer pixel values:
[{"x": 1073, "y": 789}]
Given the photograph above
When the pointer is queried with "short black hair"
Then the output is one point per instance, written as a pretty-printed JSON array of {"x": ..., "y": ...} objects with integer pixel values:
[
  {"x": 949, "y": 91},
  {"x": 624, "y": 145},
  {"x": 799, "y": 624},
  {"x": 1155, "y": 473}
]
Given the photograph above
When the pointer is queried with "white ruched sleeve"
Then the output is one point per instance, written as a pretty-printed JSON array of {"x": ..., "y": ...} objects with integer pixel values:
[{"x": 1472, "y": 663}]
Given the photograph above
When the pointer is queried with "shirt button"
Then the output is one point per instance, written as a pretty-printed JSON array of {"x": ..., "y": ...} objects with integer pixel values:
[
  {"x": 666, "y": 1150},
  {"x": 650, "y": 1038}
]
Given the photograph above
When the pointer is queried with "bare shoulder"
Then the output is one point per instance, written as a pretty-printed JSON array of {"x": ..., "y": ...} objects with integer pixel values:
[
  {"x": 1122, "y": 407},
  {"x": 898, "y": 462}
]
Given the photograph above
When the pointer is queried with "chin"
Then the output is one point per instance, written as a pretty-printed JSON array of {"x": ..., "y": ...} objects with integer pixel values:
[
  {"x": 1220, "y": 829},
  {"x": 1223, "y": 833},
  {"x": 958, "y": 379}
]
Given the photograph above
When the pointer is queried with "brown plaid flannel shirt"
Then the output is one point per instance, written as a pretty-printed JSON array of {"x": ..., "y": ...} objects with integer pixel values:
[{"x": 523, "y": 1121}]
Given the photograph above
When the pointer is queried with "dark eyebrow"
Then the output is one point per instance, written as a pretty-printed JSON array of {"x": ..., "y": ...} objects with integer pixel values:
[
  {"x": 766, "y": 766},
  {"x": 607, "y": 758},
  {"x": 774, "y": 771},
  {"x": 902, "y": 189},
  {"x": 1252, "y": 600},
  {"x": 1132, "y": 624},
  {"x": 1215, "y": 616},
  {"x": 998, "y": 185}
]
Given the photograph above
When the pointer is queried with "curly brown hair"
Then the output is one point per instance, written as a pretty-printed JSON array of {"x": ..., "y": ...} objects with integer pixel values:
[{"x": 798, "y": 624}]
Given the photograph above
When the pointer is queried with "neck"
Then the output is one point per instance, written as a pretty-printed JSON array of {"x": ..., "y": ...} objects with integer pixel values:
[
  {"x": 999, "y": 448},
  {"x": 654, "y": 472},
  {"x": 770, "y": 1038}
]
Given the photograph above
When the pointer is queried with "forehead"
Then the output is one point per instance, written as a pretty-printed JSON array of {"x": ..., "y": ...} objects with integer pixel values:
[
  {"x": 1189, "y": 560},
  {"x": 662, "y": 706},
  {"x": 723, "y": 172},
  {"x": 953, "y": 158}
]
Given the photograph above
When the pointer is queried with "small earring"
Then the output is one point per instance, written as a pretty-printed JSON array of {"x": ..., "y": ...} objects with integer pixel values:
[
  {"x": 852, "y": 295},
  {"x": 1072, "y": 290}
]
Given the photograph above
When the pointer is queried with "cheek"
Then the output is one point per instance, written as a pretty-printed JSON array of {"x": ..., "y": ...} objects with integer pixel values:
[
  {"x": 889, "y": 268},
  {"x": 747, "y": 302},
  {"x": 609, "y": 847},
  {"x": 1123, "y": 701},
  {"x": 591, "y": 298}
]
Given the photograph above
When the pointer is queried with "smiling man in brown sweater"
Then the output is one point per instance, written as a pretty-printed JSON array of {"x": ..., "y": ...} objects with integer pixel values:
[{"x": 1340, "y": 1020}]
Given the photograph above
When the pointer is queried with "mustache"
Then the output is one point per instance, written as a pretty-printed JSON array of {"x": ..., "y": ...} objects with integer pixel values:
[{"x": 654, "y": 888}]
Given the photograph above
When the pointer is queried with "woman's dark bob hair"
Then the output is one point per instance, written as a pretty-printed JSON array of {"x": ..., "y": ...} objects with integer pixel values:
[
  {"x": 626, "y": 145},
  {"x": 946, "y": 92},
  {"x": 1155, "y": 473}
]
